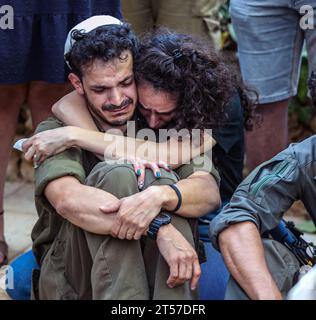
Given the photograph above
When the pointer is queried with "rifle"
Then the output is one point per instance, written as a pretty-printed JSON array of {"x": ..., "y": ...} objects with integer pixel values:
[{"x": 291, "y": 237}]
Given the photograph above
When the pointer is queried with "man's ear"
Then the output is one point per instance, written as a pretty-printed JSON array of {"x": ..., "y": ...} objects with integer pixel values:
[{"x": 76, "y": 82}]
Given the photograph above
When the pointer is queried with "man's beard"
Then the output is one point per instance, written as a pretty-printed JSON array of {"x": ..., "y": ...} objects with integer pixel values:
[{"x": 100, "y": 119}]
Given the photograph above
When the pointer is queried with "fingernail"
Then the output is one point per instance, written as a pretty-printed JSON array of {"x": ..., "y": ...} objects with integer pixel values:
[
  {"x": 158, "y": 174},
  {"x": 139, "y": 172}
]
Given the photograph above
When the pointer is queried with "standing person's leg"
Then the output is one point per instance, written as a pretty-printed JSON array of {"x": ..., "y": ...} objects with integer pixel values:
[
  {"x": 196, "y": 17},
  {"x": 270, "y": 43},
  {"x": 310, "y": 37},
  {"x": 271, "y": 137},
  {"x": 139, "y": 14},
  {"x": 11, "y": 100},
  {"x": 42, "y": 96}
]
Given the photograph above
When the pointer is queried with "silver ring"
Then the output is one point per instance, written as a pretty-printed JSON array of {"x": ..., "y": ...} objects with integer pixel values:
[{"x": 35, "y": 163}]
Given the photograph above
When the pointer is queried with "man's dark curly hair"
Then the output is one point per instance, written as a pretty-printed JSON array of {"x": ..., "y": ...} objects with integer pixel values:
[
  {"x": 181, "y": 64},
  {"x": 104, "y": 43}
]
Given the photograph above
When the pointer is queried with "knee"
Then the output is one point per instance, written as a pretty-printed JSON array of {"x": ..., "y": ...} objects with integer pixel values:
[
  {"x": 118, "y": 179},
  {"x": 165, "y": 178}
]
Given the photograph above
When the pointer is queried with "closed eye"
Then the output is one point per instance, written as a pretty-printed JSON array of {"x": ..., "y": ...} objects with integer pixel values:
[
  {"x": 98, "y": 90},
  {"x": 158, "y": 113},
  {"x": 127, "y": 83}
]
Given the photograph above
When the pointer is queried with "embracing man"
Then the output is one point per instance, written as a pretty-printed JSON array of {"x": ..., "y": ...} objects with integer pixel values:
[
  {"x": 265, "y": 268},
  {"x": 83, "y": 242},
  {"x": 182, "y": 84}
]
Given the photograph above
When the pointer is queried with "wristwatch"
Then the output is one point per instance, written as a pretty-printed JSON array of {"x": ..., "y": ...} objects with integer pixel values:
[{"x": 161, "y": 220}]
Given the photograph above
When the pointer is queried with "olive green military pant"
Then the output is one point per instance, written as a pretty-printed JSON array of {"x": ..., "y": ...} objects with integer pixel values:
[
  {"x": 198, "y": 17},
  {"x": 83, "y": 265}
]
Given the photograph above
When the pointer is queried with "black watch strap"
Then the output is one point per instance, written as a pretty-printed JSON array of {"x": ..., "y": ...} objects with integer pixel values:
[
  {"x": 161, "y": 220},
  {"x": 177, "y": 191}
]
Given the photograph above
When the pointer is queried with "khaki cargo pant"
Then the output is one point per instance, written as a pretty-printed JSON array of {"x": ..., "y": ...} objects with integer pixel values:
[
  {"x": 197, "y": 17},
  {"x": 82, "y": 265},
  {"x": 283, "y": 267}
]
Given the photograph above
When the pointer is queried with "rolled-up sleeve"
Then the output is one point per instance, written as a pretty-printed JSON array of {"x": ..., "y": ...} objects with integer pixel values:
[
  {"x": 231, "y": 214},
  {"x": 67, "y": 163},
  {"x": 262, "y": 198}
]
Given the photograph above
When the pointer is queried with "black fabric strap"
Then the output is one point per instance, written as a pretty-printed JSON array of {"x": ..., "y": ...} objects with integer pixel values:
[{"x": 177, "y": 191}]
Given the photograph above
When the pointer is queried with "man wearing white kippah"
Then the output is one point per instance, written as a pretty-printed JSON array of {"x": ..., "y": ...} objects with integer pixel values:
[{"x": 79, "y": 258}]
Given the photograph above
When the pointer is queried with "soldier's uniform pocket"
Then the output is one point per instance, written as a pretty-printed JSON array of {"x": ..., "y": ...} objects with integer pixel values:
[{"x": 53, "y": 283}]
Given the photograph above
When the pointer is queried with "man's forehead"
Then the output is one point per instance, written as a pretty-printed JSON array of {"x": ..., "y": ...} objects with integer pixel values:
[{"x": 117, "y": 68}]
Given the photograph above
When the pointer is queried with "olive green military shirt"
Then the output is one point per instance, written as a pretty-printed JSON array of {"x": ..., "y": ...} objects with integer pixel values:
[{"x": 67, "y": 163}]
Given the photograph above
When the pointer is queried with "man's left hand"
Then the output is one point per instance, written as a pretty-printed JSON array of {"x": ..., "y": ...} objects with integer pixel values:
[
  {"x": 180, "y": 256},
  {"x": 136, "y": 213}
]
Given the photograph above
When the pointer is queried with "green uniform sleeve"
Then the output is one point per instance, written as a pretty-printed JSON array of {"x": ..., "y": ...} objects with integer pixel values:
[
  {"x": 200, "y": 163},
  {"x": 67, "y": 163}
]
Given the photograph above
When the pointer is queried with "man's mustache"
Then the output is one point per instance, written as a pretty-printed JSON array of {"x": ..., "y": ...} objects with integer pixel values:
[{"x": 112, "y": 107}]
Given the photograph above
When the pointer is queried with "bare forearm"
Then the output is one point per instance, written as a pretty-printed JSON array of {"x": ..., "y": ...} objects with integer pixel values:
[
  {"x": 113, "y": 146},
  {"x": 80, "y": 204},
  {"x": 176, "y": 153},
  {"x": 243, "y": 252},
  {"x": 200, "y": 195},
  {"x": 172, "y": 152}
]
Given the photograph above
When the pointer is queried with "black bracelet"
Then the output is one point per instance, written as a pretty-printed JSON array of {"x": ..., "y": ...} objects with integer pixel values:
[{"x": 176, "y": 189}]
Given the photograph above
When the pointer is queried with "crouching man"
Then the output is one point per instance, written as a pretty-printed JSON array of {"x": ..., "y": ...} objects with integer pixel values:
[
  {"x": 99, "y": 235},
  {"x": 265, "y": 268}
]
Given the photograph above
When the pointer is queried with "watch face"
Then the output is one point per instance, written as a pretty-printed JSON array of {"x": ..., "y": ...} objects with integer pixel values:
[{"x": 164, "y": 218}]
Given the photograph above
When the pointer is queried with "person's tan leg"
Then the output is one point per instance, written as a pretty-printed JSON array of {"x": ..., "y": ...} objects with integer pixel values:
[
  {"x": 271, "y": 137},
  {"x": 11, "y": 100},
  {"x": 42, "y": 96}
]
